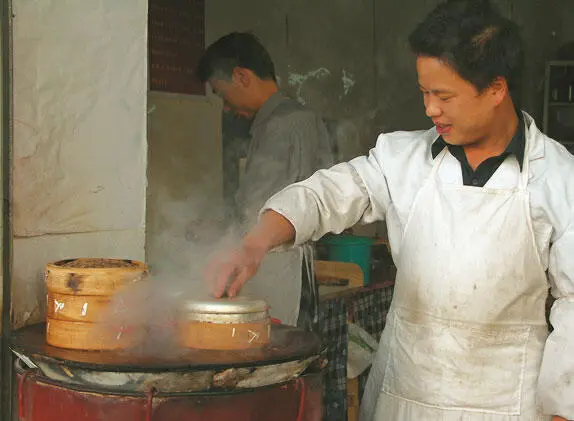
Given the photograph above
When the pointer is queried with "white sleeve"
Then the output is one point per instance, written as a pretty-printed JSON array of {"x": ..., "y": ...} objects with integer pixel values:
[
  {"x": 556, "y": 381},
  {"x": 335, "y": 199}
]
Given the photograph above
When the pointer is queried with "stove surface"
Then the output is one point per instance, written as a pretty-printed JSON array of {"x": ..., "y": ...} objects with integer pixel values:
[{"x": 287, "y": 344}]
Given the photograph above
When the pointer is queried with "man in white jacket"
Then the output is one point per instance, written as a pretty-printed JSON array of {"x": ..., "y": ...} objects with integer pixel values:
[{"x": 479, "y": 210}]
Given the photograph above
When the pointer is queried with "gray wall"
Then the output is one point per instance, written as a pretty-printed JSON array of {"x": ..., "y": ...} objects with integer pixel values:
[
  {"x": 184, "y": 179},
  {"x": 323, "y": 51},
  {"x": 347, "y": 59},
  {"x": 367, "y": 39},
  {"x": 565, "y": 15}
]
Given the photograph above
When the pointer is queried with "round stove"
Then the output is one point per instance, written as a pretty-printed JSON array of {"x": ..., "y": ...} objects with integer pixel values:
[
  {"x": 287, "y": 354},
  {"x": 281, "y": 380}
]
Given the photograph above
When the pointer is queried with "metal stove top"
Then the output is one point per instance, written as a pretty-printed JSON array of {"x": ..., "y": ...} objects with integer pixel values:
[{"x": 286, "y": 344}]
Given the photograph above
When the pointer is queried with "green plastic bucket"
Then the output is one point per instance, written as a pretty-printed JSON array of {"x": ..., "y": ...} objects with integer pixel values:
[{"x": 350, "y": 248}]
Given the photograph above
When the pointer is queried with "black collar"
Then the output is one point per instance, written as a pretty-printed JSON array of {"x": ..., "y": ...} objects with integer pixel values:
[{"x": 516, "y": 146}]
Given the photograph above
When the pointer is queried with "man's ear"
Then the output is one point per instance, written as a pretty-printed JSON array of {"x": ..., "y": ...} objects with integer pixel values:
[
  {"x": 498, "y": 89},
  {"x": 242, "y": 76}
]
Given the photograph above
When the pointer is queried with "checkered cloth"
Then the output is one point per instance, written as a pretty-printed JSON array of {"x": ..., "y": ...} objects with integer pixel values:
[
  {"x": 367, "y": 309},
  {"x": 333, "y": 322}
]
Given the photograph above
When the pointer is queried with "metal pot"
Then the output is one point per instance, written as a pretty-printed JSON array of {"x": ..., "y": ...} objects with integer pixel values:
[
  {"x": 225, "y": 324},
  {"x": 225, "y": 310}
]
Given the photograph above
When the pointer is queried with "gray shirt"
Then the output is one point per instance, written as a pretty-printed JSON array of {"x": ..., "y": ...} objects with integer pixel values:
[{"x": 288, "y": 144}]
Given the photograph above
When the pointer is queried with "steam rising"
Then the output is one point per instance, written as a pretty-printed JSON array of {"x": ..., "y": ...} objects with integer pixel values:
[
  {"x": 192, "y": 232},
  {"x": 189, "y": 227}
]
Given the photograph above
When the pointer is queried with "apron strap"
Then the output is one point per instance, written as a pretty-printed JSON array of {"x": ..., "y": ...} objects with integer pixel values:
[
  {"x": 437, "y": 162},
  {"x": 525, "y": 174}
]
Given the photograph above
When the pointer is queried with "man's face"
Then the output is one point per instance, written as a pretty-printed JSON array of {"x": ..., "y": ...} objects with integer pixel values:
[
  {"x": 236, "y": 95},
  {"x": 460, "y": 113}
]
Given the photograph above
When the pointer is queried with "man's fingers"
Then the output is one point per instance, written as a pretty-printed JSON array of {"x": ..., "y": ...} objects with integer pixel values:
[
  {"x": 219, "y": 276},
  {"x": 226, "y": 274},
  {"x": 237, "y": 282},
  {"x": 230, "y": 273}
]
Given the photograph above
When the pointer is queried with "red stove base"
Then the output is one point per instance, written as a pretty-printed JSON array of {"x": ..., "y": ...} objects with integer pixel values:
[{"x": 298, "y": 400}]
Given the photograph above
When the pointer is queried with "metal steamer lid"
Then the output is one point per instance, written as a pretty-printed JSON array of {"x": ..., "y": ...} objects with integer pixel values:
[{"x": 226, "y": 310}]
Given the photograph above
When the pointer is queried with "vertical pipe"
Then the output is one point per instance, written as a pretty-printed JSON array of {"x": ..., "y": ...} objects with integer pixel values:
[
  {"x": 547, "y": 94},
  {"x": 6, "y": 170}
]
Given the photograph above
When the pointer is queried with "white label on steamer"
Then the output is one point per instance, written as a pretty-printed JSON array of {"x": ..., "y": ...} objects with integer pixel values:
[
  {"x": 253, "y": 335},
  {"x": 58, "y": 305}
]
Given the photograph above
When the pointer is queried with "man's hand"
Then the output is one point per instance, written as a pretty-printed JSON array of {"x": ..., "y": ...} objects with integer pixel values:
[
  {"x": 229, "y": 271},
  {"x": 557, "y": 418}
]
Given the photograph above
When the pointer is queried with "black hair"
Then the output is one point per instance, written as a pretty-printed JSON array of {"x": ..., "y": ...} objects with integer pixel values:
[
  {"x": 237, "y": 49},
  {"x": 475, "y": 41}
]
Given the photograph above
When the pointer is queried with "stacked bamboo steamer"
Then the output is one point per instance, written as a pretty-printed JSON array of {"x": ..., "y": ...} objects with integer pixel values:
[{"x": 79, "y": 294}]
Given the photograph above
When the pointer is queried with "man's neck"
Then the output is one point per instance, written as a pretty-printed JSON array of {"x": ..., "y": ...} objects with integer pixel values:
[
  {"x": 265, "y": 89},
  {"x": 495, "y": 143}
]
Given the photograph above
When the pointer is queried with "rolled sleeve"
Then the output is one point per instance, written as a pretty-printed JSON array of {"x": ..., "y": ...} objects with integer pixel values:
[{"x": 556, "y": 381}]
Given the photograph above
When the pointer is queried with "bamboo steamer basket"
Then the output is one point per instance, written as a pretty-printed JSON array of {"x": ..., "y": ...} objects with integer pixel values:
[
  {"x": 79, "y": 294},
  {"x": 225, "y": 324},
  {"x": 90, "y": 336},
  {"x": 76, "y": 308}
]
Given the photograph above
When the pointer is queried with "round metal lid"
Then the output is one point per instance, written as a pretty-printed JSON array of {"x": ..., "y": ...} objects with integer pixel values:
[{"x": 235, "y": 305}]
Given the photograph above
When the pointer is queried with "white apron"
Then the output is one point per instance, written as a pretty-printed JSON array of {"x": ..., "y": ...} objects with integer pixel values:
[{"x": 466, "y": 329}]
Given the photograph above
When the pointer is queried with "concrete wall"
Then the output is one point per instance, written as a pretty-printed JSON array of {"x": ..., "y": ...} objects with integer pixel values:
[
  {"x": 80, "y": 106},
  {"x": 324, "y": 54},
  {"x": 185, "y": 147},
  {"x": 400, "y": 104},
  {"x": 347, "y": 59},
  {"x": 2, "y": 131},
  {"x": 541, "y": 25},
  {"x": 185, "y": 179},
  {"x": 350, "y": 60},
  {"x": 80, "y": 77},
  {"x": 566, "y": 19}
]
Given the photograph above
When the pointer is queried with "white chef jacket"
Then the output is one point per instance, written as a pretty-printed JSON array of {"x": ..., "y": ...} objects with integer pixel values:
[{"x": 383, "y": 185}]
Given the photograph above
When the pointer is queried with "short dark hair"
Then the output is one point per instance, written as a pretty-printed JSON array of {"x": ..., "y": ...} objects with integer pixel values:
[
  {"x": 237, "y": 49},
  {"x": 475, "y": 40}
]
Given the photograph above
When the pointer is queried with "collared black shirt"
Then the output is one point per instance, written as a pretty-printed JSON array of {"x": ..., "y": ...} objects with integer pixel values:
[{"x": 486, "y": 169}]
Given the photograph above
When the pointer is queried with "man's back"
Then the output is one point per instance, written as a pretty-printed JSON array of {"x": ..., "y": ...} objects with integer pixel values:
[{"x": 288, "y": 144}]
